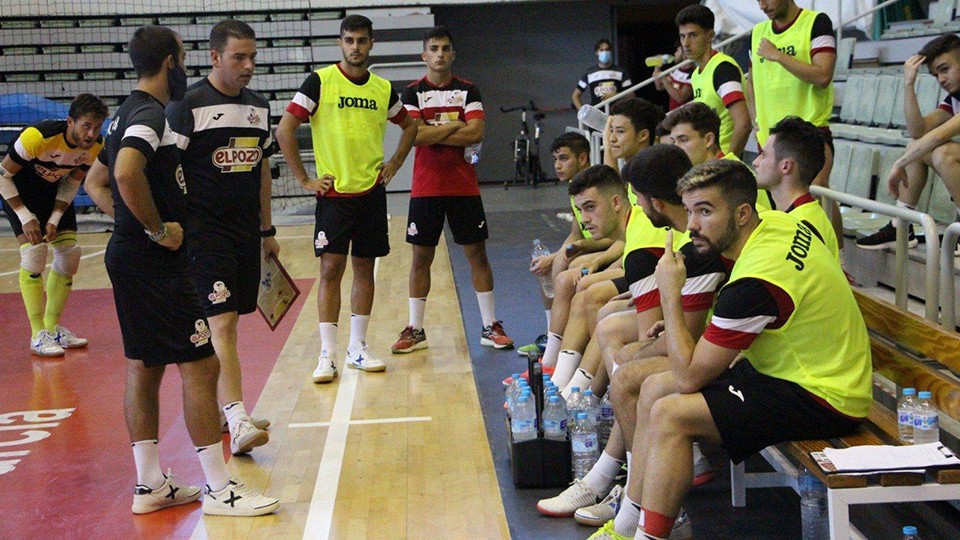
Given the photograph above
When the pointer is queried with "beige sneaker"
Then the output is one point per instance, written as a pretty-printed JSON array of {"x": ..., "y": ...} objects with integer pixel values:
[{"x": 569, "y": 501}]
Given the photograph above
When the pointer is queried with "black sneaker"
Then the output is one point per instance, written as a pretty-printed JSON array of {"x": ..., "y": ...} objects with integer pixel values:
[{"x": 886, "y": 237}]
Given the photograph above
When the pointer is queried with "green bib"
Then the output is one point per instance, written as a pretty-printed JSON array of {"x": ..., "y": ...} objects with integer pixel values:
[{"x": 704, "y": 92}]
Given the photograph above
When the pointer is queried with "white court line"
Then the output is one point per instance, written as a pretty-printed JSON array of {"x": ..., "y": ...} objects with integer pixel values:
[
  {"x": 87, "y": 256},
  {"x": 320, "y": 514},
  {"x": 364, "y": 422}
]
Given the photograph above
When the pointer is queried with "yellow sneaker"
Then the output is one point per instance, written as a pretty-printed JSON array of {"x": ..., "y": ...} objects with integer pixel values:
[{"x": 607, "y": 533}]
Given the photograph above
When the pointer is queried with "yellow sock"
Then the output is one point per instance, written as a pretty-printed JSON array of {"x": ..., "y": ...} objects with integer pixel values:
[
  {"x": 31, "y": 289},
  {"x": 58, "y": 289}
]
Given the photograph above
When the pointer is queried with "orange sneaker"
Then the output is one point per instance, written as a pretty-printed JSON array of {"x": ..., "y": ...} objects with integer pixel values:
[
  {"x": 494, "y": 336},
  {"x": 410, "y": 340}
]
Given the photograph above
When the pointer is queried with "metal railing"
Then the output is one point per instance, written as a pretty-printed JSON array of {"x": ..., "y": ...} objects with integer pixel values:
[
  {"x": 905, "y": 216},
  {"x": 948, "y": 316}
]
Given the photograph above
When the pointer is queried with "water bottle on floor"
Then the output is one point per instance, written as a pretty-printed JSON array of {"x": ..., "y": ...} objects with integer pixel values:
[
  {"x": 554, "y": 420},
  {"x": 584, "y": 448},
  {"x": 546, "y": 282},
  {"x": 606, "y": 419},
  {"x": 592, "y": 408},
  {"x": 574, "y": 405},
  {"x": 814, "y": 515},
  {"x": 905, "y": 409},
  {"x": 926, "y": 422},
  {"x": 523, "y": 421},
  {"x": 910, "y": 533},
  {"x": 509, "y": 392}
]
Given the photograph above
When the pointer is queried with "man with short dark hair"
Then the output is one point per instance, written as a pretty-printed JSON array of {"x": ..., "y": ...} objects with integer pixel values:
[
  {"x": 450, "y": 121},
  {"x": 347, "y": 107},
  {"x": 717, "y": 81},
  {"x": 39, "y": 178},
  {"x": 604, "y": 80},
  {"x": 931, "y": 136},
  {"x": 223, "y": 132},
  {"x": 139, "y": 181}
]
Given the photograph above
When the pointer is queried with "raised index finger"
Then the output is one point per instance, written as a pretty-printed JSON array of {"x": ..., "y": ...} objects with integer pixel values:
[{"x": 669, "y": 246}]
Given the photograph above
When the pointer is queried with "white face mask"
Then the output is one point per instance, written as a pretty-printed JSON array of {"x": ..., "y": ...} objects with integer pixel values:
[{"x": 605, "y": 57}]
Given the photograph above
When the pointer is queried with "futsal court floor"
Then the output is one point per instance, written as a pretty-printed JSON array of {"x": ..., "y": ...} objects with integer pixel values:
[{"x": 418, "y": 451}]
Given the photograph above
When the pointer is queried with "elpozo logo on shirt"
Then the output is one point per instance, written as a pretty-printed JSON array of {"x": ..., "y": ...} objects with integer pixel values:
[{"x": 241, "y": 155}]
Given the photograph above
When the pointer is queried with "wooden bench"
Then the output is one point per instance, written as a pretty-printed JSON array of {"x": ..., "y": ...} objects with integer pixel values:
[{"x": 908, "y": 351}]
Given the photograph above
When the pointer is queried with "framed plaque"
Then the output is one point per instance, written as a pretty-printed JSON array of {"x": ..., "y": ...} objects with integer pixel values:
[{"x": 277, "y": 292}]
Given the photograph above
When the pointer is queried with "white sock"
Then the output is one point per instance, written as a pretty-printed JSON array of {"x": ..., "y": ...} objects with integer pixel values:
[
  {"x": 547, "y": 313},
  {"x": 581, "y": 378},
  {"x": 601, "y": 477},
  {"x": 628, "y": 518},
  {"x": 629, "y": 462},
  {"x": 417, "y": 307},
  {"x": 900, "y": 204},
  {"x": 213, "y": 465},
  {"x": 328, "y": 338},
  {"x": 235, "y": 412},
  {"x": 567, "y": 362},
  {"x": 358, "y": 331},
  {"x": 147, "y": 459},
  {"x": 488, "y": 311},
  {"x": 552, "y": 350}
]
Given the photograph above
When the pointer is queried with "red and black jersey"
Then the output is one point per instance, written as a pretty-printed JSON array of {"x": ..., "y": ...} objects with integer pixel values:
[{"x": 440, "y": 169}]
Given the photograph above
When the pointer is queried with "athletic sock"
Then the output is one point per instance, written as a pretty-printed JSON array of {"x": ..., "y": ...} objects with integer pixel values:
[
  {"x": 147, "y": 459},
  {"x": 328, "y": 338},
  {"x": 547, "y": 312},
  {"x": 896, "y": 221},
  {"x": 488, "y": 311},
  {"x": 629, "y": 462},
  {"x": 655, "y": 526},
  {"x": 213, "y": 465},
  {"x": 31, "y": 289},
  {"x": 358, "y": 331},
  {"x": 417, "y": 307},
  {"x": 58, "y": 289},
  {"x": 581, "y": 379},
  {"x": 603, "y": 474},
  {"x": 235, "y": 413},
  {"x": 567, "y": 362},
  {"x": 552, "y": 350},
  {"x": 628, "y": 517}
]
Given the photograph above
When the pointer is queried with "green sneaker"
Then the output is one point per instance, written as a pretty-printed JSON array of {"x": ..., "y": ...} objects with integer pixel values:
[
  {"x": 607, "y": 533},
  {"x": 537, "y": 346}
]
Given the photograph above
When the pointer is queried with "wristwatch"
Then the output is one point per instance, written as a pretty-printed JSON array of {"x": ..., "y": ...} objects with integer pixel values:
[
  {"x": 159, "y": 235},
  {"x": 272, "y": 231}
]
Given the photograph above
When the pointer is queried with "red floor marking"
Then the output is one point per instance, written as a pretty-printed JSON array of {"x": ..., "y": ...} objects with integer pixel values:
[{"x": 78, "y": 481}]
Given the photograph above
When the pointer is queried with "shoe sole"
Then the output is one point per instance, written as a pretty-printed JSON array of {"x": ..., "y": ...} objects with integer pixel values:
[
  {"x": 591, "y": 522},
  {"x": 377, "y": 369},
  {"x": 245, "y": 512},
  {"x": 260, "y": 439},
  {"x": 140, "y": 511},
  {"x": 418, "y": 347},
  {"x": 910, "y": 244},
  {"x": 47, "y": 355},
  {"x": 525, "y": 353},
  {"x": 703, "y": 479},
  {"x": 324, "y": 378},
  {"x": 490, "y": 343},
  {"x": 548, "y": 513},
  {"x": 75, "y": 346}
]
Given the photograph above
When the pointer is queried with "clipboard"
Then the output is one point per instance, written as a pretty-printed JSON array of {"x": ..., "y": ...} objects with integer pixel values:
[{"x": 277, "y": 293}]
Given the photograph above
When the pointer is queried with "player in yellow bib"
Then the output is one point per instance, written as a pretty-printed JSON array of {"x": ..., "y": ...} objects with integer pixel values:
[
  {"x": 347, "y": 107},
  {"x": 39, "y": 178},
  {"x": 787, "y": 307},
  {"x": 717, "y": 80}
]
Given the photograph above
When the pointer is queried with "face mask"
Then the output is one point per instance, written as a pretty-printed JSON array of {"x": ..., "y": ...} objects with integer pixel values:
[
  {"x": 177, "y": 83},
  {"x": 605, "y": 57}
]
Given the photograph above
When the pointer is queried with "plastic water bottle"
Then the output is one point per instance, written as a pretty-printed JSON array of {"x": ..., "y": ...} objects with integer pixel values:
[
  {"x": 659, "y": 60},
  {"x": 523, "y": 421},
  {"x": 592, "y": 407},
  {"x": 606, "y": 419},
  {"x": 472, "y": 153},
  {"x": 508, "y": 392},
  {"x": 592, "y": 117},
  {"x": 546, "y": 282},
  {"x": 813, "y": 507},
  {"x": 555, "y": 392},
  {"x": 515, "y": 393},
  {"x": 573, "y": 404},
  {"x": 910, "y": 533},
  {"x": 584, "y": 447},
  {"x": 926, "y": 422},
  {"x": 905, "y": 409},
  {"x": 554, "y": 420}
]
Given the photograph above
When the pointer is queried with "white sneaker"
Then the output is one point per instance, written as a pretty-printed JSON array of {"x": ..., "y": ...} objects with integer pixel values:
[
  {"x": 569, "y": 501},
  {"x": 259, "y": 423},
  {"x": 67, "y": 339},
  {"x": 245, "y": 437},
  {"x": 702, "y": 471},
  {"x": 236, "y": 499},
  {"x": 147, "y": 500},
  {"x": 44, "y": 344},
  {"x": 682, "y": 528},
  {"x": 362, "y": 359},
  {"x": 603, "y": 511},
  {"x": 326, "y": 369}
]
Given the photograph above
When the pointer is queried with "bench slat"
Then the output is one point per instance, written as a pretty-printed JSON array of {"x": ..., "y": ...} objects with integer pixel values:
[{"x": 907, "y": 372}]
